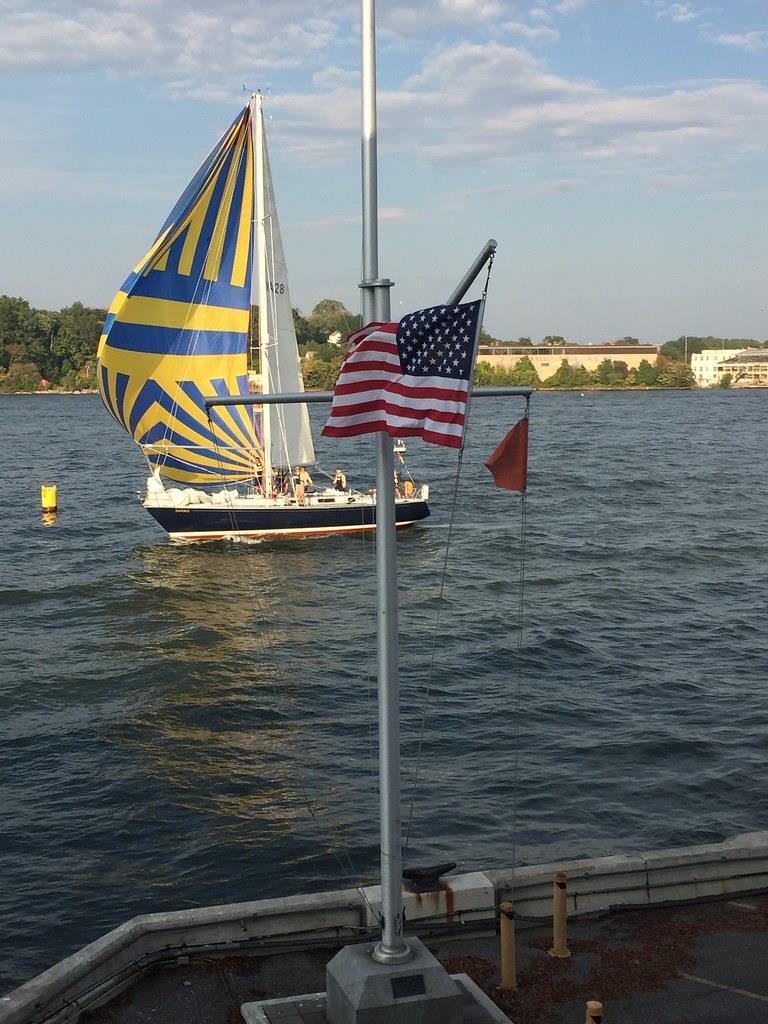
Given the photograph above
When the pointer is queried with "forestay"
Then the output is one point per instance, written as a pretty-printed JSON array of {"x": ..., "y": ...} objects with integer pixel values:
[{"x": 288, "y": 429}]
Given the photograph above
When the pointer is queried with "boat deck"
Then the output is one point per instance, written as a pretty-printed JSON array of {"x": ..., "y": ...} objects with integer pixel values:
[{"x": 701, "y": 963}]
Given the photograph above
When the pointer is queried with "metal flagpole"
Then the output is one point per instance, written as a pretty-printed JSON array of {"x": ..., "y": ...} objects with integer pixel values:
[{"x": 391, "y": 949}]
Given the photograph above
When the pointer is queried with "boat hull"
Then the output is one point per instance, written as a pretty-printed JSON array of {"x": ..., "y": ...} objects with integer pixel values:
[{"x": 203, "y": 522}]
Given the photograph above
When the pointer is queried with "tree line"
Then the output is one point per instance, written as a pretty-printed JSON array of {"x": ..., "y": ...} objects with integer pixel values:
[
  {"x": 42, "y": 348},
  {"x": 49, "y": 349},
  {"x": 610, "y": 373}
]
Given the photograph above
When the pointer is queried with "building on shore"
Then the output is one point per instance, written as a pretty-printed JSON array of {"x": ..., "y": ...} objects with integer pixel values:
[
  {"x": 747, "y": 369},
  {"x": 704, "y": 364},
  {"x": 547, "y": 359}
]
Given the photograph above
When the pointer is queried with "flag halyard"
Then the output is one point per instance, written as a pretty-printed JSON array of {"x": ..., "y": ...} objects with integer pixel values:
[{"x": 410, "y": 379}]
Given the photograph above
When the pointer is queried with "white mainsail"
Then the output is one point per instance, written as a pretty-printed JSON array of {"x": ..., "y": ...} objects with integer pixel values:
[{"x": 287, "y": 430}]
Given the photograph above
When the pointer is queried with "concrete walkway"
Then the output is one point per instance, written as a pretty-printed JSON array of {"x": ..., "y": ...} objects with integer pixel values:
[{"x": 699, "y": 964}]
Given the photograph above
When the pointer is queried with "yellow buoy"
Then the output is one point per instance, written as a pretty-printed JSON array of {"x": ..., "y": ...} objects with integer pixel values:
[{"x": 49, "y": 497}]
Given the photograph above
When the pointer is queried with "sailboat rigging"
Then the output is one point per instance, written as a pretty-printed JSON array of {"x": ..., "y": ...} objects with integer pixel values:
[{"x": 178, "y": 333}]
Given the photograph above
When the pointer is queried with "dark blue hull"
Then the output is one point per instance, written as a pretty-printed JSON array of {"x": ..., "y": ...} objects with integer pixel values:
[{"x": 199, "y": 522}]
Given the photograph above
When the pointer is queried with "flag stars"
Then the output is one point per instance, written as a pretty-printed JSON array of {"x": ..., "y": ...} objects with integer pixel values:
[{"x": 439, "y": 342}]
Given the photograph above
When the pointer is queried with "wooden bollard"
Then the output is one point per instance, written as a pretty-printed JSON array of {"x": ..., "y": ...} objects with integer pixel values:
[
  {"x": 508, "y": 956},
  {"x": 559, "y": 915},
  {"x": 594, "y": 1012}
]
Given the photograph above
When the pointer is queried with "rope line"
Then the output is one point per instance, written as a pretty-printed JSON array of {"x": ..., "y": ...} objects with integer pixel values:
[
  {"x": 518, "y": 683},
  {"x": 443, "y": 578}
]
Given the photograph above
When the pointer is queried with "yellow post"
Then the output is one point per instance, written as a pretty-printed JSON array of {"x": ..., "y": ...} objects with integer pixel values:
[
  {"x": 508, "y": 958},
  {"x": 594, "y": 1012},
  {"x": 49, "y": 497},
  {"x": 559, "y": 915}
]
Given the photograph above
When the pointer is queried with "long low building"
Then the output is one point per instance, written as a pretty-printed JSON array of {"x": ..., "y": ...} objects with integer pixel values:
[{"x": 547, "y": 359}]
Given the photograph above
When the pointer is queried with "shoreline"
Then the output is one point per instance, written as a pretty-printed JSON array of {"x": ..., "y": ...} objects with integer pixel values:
[{"x": 538, "y": 391}]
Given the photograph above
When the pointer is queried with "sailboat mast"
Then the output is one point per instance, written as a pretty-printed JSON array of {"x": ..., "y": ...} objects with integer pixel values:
[
  {"x": 261, "y": 263},
  {"x": 376, "y": 306}
]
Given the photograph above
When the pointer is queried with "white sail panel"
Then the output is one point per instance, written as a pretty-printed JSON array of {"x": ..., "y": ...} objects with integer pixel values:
[{"x": 289, "y": 430}]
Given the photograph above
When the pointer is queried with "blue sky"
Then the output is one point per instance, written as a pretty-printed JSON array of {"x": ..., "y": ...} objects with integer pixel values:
[{"x": 615, "y": 148}]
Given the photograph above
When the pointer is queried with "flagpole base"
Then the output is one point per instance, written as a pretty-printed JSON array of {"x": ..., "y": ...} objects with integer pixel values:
[
  {"x": 360, "y": 990},
  {"x": 384, "y": 954}
]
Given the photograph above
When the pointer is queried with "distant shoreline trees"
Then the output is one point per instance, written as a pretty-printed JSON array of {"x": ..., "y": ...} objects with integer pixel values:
[
  {"x": 44, "y": 350},
  {"x": 610, "y": 373}
]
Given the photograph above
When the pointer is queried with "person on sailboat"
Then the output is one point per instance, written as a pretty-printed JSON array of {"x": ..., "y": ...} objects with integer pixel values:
[
  {"x": 340, "y": 480},
  {"x": 303, "y": 482}
]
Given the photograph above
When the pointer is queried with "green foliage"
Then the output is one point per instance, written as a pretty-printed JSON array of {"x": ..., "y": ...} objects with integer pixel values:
[
  {"x": 305, "y": 335},
  {"x": 487, "y": 376},
  {"x": 568, "y": 376},
  {"x": 523, "y": 374},
  {"x": 77, "y": 334},
  {"x": 332, "y": 317},
  {"x": 673, "y": 374},
  {"x": 21, "y": 376},
  {"x": 60, "y": 346},
  {"x": 607, "y": 374},
  {"x": 646, "y": 374},
  {"x": 41, "y": 343},
  {"x": 22, "y": 337},
  {"x": 725, "y": 381},
  {"x": 83, "y": 379},
  {"x": 488, "y": 339},
  {"x": 320, "y": 374},
  {"x": 682, "y": 346}
]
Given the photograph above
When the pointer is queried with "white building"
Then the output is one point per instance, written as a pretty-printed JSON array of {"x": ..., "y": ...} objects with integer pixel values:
[
  {"x": 704, "y": 364},
  {"x": 749, "y": 369}
]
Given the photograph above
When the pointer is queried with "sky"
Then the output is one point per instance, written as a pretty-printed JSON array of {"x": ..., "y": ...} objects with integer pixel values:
[{"x": 616, "y": 149}]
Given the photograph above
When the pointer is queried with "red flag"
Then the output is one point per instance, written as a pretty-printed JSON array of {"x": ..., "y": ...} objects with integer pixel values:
[{"x": 509, "y": 463}]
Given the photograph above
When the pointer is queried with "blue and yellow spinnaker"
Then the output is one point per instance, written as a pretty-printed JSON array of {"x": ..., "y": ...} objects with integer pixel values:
[{"x": 177, "y": 331}]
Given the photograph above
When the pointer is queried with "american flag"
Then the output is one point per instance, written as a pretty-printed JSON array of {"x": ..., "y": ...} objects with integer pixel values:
[{"x": 410, "y": 379}]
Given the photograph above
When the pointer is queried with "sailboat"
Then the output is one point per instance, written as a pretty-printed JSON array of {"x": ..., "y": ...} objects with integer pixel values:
[{"x": 178, "y": 334}]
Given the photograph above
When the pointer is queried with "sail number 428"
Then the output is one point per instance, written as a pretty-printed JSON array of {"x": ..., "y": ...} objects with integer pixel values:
[{"x": 277, "y": 287}]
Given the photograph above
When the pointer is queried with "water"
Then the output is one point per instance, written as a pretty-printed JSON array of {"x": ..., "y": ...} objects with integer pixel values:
[{"x": 182, "y": 726}]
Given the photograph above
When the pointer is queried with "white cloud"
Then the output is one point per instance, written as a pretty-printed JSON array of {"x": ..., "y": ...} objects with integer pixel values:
[
  {"x": 90, "y": 39},
  {"x": 755, "y": 42},
  {"x": 487, "y": 101},
  {"x": 471, "y": 10},
  {"x": 569, "y": 6},
  {"x": 540, "y": 13},
  {"x": 678, "y": 13},
  {"x": 166, "y": 39},
  {"x": 492, "y": 103},
  {"x": 387, "y": 214},
  {"x": 334, "y": 77},
  {"x": 534, "y": 32}
]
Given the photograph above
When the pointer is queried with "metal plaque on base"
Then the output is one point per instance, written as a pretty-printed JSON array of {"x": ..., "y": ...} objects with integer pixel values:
[{"x": 360, "y": 990}]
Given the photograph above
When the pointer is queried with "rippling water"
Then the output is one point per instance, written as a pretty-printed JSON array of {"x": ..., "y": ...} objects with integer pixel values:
[{"x": 181, "y": 726}]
